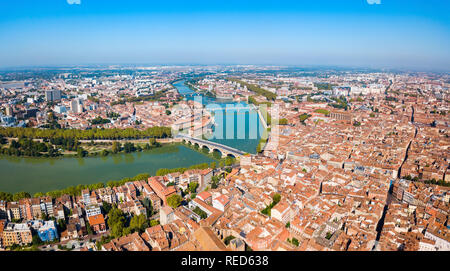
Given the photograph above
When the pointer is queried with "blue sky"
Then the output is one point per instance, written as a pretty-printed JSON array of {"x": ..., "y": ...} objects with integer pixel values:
[{"x": 400, "y": 34}]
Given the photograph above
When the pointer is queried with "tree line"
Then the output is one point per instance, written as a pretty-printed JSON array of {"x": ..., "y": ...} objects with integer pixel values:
[
  {"x": 113, "y": 133},
  {"x": 28, "y": 147}
]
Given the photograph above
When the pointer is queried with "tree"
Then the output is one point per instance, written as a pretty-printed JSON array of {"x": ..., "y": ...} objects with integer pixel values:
[
  {"x": 116, "y": 222},
  {"x": 117, "y": 230},
  {"x": 193, "y": 187},
  {"x": 81, "y": 152},
  {"x": 61, "y": 225},
  {"x": 89, "y": 229},
  {"x": 294, "y": 241},
  {"x": 154, "y": 222},
  {"x": 217, "y": 155},
  {"x": 36, "y": 240},
  {"x": 228, "y": 239},
  {"x": 174, "y": 200},
  {"x": 21, "y": 195},
  {"x": 215, "y": 182},
  {"x": 148, "y": 206},
  {"x": 6, "y": 196},
  {"x": 116, "y": 216},
  {"x": 276, "y": 198},
  {"x": 2, "y": 140},
  {"x": 258, "y": 148},
  {"x": 229, "y": 161},
  {"x": 283, "y": 121},
  {"x": 152, "y": 141},
  {"x": 139, "y": 223},
  {"x": 38, "y": 195},
  {"x": 129, "y": 147},
  {"x": 116, "y": 147},
  {"x": 106, "y": 207},
  {"x": 44, "y": 216},
  {"x": 200, "y": 212}
]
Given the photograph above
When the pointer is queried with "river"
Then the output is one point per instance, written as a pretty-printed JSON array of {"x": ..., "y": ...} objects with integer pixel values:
[
  {"x": 45, "y": 174},
  {"x": 236, "y": 125}
]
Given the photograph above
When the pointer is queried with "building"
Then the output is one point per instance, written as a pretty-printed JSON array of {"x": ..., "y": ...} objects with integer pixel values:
[
  {"x": 206, "y": 176},
  {"x": 9, "y": 111},
  {"x": 17, "y": 233},
  {"x": 76, "y": 106},
  {"x": 207, "y": 240},
  {"x": 162, "y": 191},
  {"x": 440, "y": 238},
  {"x": 281, "y": 212},
  {"x": 13, "y": 211},
  {"x": 131, "y": 242},
  {"x": 60, "y": 109},
  {"x": 48, "y": 201},
  {"x": 340, "y": 116},
  {"x": 3, "y": 212},
  {"x": 86, "y": 197},
  {"x": 36, "y": 208},
  {"x": 97, "y": 223},
  {"x": 92, "y": 210},
  {"x": 221, "y": 202},
  {"x": 25, "y": 208},
  {"x": 205, "y": 196},
  {"x": 52, "y": 95},
  {"x": 46, "y": 230},
  {"x": 2, "y": 226},
  {"x": 166, "y": 215}
]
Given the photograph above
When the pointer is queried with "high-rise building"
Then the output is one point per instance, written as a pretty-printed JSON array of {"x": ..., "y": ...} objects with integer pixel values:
[
  {"x": 9, "y": 111},
  {"x": 76, "y": 106},
  {"x": 52, "y": 95}
]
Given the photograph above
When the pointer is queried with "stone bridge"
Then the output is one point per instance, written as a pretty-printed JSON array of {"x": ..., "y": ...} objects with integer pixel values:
[{"x": 212, "y": 146}]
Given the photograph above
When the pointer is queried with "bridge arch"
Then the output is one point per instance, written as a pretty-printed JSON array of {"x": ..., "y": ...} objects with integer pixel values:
[
  {"x": 206, "y": 149},
  {"x": 217, "y": 153}
]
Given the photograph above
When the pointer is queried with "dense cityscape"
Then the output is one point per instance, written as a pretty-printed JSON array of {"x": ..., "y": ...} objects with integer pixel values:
[{"x": 278, "y": 158}]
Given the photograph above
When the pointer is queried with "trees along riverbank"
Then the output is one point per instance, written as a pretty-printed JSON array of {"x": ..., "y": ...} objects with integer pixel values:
[
  {"x": 54, "y": 140},
  {"x": 95, "y": 133}
]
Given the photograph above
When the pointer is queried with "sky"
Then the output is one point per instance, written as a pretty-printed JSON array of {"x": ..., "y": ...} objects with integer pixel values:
[{"x": 359, "y": 33}]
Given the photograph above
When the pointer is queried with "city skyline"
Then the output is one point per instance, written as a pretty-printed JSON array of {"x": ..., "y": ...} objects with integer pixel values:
[{"x": 399, "y": 34}]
